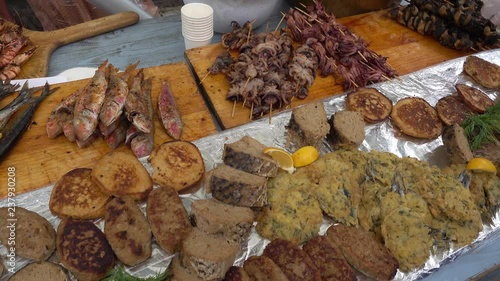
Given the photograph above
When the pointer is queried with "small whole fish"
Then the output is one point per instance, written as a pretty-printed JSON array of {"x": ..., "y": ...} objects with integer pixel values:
[
  {"x": 138, "y": 106},
  {"x": 89, "y": 103},
  {"x": 62, "y": 114},
  {"x": 116, "y": 137},
  {"x": 116, "y": 95},
  {"x": 23, "y": 98},
  {"x": 7, "y": 88},
  {"x": 169, "y": 113},
  {"x": 142, "y": 145},
  {"x": 20, "y": 122}
]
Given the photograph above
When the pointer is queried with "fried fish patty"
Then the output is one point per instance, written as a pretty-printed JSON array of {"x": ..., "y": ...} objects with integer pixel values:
[
  {"x": 83, "y": 249},
  {"x": 364, "y": 252}
]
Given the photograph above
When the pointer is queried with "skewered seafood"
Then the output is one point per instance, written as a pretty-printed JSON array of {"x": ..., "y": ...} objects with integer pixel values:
[
  {"x": 341, "y": 53},
  {"x": 456, "y": 24}
]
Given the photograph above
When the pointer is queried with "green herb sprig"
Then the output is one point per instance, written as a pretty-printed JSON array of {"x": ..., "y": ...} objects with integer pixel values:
[
  {"x": 119, "y": 273},
  {"x": 483, "y": 128}
]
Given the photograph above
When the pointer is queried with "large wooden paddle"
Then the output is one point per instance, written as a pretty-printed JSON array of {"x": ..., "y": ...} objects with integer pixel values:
[{"x": 47, "y": 41}]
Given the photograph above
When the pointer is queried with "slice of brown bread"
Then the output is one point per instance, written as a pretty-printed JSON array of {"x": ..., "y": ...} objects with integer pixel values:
[
  {"x": 456, "y": 144},
  {"x": 127, "y": 231},
  {"x": 35, "y": 237},
  {"x": 83, "y": 249},
  {"x": 308, "y": 125},
  {"x": 363, "y": 251},
  {"x": 213, "y": 216},
  {"x": 76, "y": 195},
  {"x": 417, "y": 118},
  {"x": 262, "y": 268},
  {"x": 347, "y": 130},
  {"x": 483, "y": 71},
  {"x": 236, "y": 187},
  {"x": 292, "y": 260},
  {"x": 329, "y": 260},
  {"x": 452, "y": 110},
  {"x": 474, "y": 98},
  {"x": 371, "y": 103},
  {"x": 206, "y": 255},
  {"x": 168, "y": 218},
  {"x": 236, "y": 273},
  {"x": 247, "y": 154},
  {"x": 43, "y": 270},
  {"x": 178, "y": 164},
  {"x": 120, "y": 174}
]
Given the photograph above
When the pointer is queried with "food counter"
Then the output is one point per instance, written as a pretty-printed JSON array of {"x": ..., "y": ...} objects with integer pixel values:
[{"x": 157, "y": 45}]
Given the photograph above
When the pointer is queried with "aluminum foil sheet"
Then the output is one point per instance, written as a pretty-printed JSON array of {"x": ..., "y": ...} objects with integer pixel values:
[{"x": 431, "y": 84}]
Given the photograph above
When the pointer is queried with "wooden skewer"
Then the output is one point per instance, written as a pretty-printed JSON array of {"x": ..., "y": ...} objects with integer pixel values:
[
  {"x": 234, "y": 106},
  {"x": 270, "y": 112},
  {"x": 242, "y": 89},
  {"x": 281, "y": 20},
  {"x": 204, "y": 77},
  {"x": 251, "y": 112},
  {"x": 308, "y": 15},
  {"x": 359, "y": 53}
]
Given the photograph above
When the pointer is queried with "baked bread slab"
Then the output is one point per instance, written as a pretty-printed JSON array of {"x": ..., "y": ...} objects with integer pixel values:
[
  {"x": 347, "y": 130},
  {"x": 76, "y": 195},
  {"x": 308, "y": 125},
  {"x": 83, "y": 249},
  {"x": 43, "y": 270},
  {"x": 127, "y": 231},
  {"x": 168, "y": 218},
  {"x": 35, "y": 236},
  {"x": 120, "y": 174},
  {"x": 483, "y": 71},
  {"x": 371, "y": 103},
  {"x": 417, "y": 118},
  {"x": 177, "y": 164}
]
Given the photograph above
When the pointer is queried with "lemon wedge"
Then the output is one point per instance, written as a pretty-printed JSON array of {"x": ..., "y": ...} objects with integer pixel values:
[
  {"x": 283, "y": 157},
  {"x": 481, "y": 164},
  {"x": 305, "y": 156}
]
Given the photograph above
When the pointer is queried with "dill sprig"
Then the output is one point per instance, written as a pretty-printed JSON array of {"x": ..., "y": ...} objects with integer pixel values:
[
  {"x": 119, "y": 273},
  {"x": 483, "y": 128}
]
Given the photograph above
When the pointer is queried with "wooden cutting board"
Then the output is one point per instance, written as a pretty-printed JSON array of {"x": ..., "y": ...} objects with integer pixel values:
[
  {"x": 406, "y": 50},
  {"x": 47, "y": 41},
  {"x": 40, "y": 161}
]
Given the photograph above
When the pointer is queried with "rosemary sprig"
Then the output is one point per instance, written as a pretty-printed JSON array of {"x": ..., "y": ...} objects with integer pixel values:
[
  {"x": 119, "y": 273},
  {"x": 483, "y": 128}
]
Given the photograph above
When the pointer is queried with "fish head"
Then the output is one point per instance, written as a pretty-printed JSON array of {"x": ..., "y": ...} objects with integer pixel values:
[
  {"x": 142, "y": 145},
  {"x": 142, "y": 123},
  {"x": 110, "y": 114}
]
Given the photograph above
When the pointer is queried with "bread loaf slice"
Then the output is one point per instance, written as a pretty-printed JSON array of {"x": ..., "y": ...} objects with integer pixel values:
[
  {"x": 121, "y": 174},
  {"x": 43, "y": 270},
  {"x": 127, "y": 231},
  {"x": 35, "y": 236},
  {"x": 236, "y": 187},
  {"x": 456, "y": 144},
  {"x": 83, "y": 249},
  {"x": 177, "y": 164},
  {"x": 483, "y": 71},
  {"x": 371, "y": 103},
  {"x": 76, "y": 195},
  {"x": 347, "y": 130},
  {"x": 247, "y": 154},
  {"x": 308, "y": 125},
  {"x": 417, "y": 118},
  {"x": 206, "y": 255},
  {"x": 262, "y": 268},
  {"x": 452, "y": 110},
  {"x": 474, "y": 98},
  {"x": 168, "y": 218},
  {"x": 215, "y": 217}
]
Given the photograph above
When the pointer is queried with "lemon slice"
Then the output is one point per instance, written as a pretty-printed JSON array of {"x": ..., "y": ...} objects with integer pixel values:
[
  {"x": 481, "y": 164},
  {"x": 305, "y": 156},
  {"x": 283, "y": 157}
]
